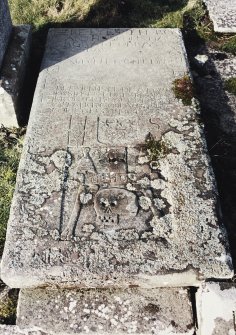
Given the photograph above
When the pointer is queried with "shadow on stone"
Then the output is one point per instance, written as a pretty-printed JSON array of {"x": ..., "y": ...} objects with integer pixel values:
[
  {"x": 218, "y": 115},
  {"x": 128, "y": 13}
]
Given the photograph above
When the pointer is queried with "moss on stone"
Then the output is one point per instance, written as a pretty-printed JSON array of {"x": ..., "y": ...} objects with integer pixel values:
[
  {"x": 155, "y": 149},
  {"x": 230, "y": 85},
  {"x": 184, "y": 90}
]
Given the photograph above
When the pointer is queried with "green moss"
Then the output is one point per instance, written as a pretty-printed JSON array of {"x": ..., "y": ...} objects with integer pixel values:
[
  {"x": 230, "y": 85},
  {"x": 155, "y": 149},
  {"x": 184, "y": 90},
  {"x": 10, "y": 149}
]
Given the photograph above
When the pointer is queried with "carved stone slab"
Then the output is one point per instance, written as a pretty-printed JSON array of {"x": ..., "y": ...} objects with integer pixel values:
[
  {"x": 6, "y": 27},
  {"x": 216, "y": 308},
  {"x": 133, "y": 311},
  {"x": 114, "y": 186},
  {"x": 223, "y": 15}
]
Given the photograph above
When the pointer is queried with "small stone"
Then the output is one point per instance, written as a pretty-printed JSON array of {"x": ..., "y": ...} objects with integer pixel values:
[
  {"x": 201, "y": 59},
  {"x": 216, "y": 306}
]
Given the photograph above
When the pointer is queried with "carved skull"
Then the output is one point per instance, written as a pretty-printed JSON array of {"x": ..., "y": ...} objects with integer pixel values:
[{"x": 112, "y": 203}]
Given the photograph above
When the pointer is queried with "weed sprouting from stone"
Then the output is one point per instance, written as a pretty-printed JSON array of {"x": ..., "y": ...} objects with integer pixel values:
[
  {"x": 184, "y": 90},
  {"x": 230, "y": 85},
  {"x": 156, "y": 149}
]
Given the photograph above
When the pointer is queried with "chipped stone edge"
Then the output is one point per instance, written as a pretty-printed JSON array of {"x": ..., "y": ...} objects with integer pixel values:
[
  {"x": 218, "y": 28},
  {"x": 15, "y": 330},
  {"x": 221, "y": 29},
  {"x": 176, "y": 279}
]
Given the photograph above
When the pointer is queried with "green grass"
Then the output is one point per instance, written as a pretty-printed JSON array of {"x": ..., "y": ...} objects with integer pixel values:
[
  {"x": 229, "y": 45},
  {"x": 8, "y": 305},
  {"x": 93, "y": 13},
  {"x": 40, "y": 12},
  {"x": 230, "y": 85},
  {"x": 184, "y": 14},
  {"x": 10, "y": 149}
]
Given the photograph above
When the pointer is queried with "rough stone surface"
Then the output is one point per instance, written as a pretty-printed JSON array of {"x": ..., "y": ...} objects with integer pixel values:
[
  {"x": 219, "y": 113},
  {"x": 12, "y": 75},
  {"x": 6, "y": 27},
  {"x": 114, "y": 186},
  {"x": 14, "y": 330},
  {"x": 133, "y": 311},
  {"x": 216, "y": 306},
  {"x": 223, "y": 15}
]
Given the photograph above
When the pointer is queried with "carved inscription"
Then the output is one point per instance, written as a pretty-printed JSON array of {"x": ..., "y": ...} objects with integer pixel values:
[
  {"x": 122, "y": 130},
  {"x": 107, "y": 100}
]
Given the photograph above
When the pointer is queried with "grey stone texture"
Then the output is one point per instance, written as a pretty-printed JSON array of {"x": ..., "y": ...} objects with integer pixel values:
[
  {"x": 216, "y": 306},
  {"x": 5, "y": 28},
  {"x": 14, "y": 330},
  {"x": 223, "y": 15},
  {"x": 12, "y": 75},
  {"x": 114, "y": 187},
  {"x": 133, "y": 311}
]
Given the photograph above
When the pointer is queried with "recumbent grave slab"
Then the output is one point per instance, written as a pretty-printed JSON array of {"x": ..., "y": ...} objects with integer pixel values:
[
  {"x": 159, "y": 311},
  {"x": 114, "y": 187}
]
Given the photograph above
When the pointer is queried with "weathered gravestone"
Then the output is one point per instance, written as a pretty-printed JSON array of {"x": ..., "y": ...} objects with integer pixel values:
[
  {"x": 223, "y": 15},
  {"x": 132, "y": 311},
  {"x": 114, "y": 186},
  {"x": 5, "y": 28}
]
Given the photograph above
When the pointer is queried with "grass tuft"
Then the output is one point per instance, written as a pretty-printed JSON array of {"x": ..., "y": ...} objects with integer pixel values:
[
  {"x": 10, "y": 150},
  {"x": 41, "y": 12},
  {"x": 230, "y": 85},
  {"x": 229, "y": 45},
  {"x": 155, "y": 149},
  {"x": 8, "y": 305},
  {"x": 184, "y": 90}
]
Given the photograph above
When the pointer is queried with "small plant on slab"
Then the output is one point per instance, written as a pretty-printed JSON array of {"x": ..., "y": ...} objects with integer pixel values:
[{"x": 184, "y": 90}]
